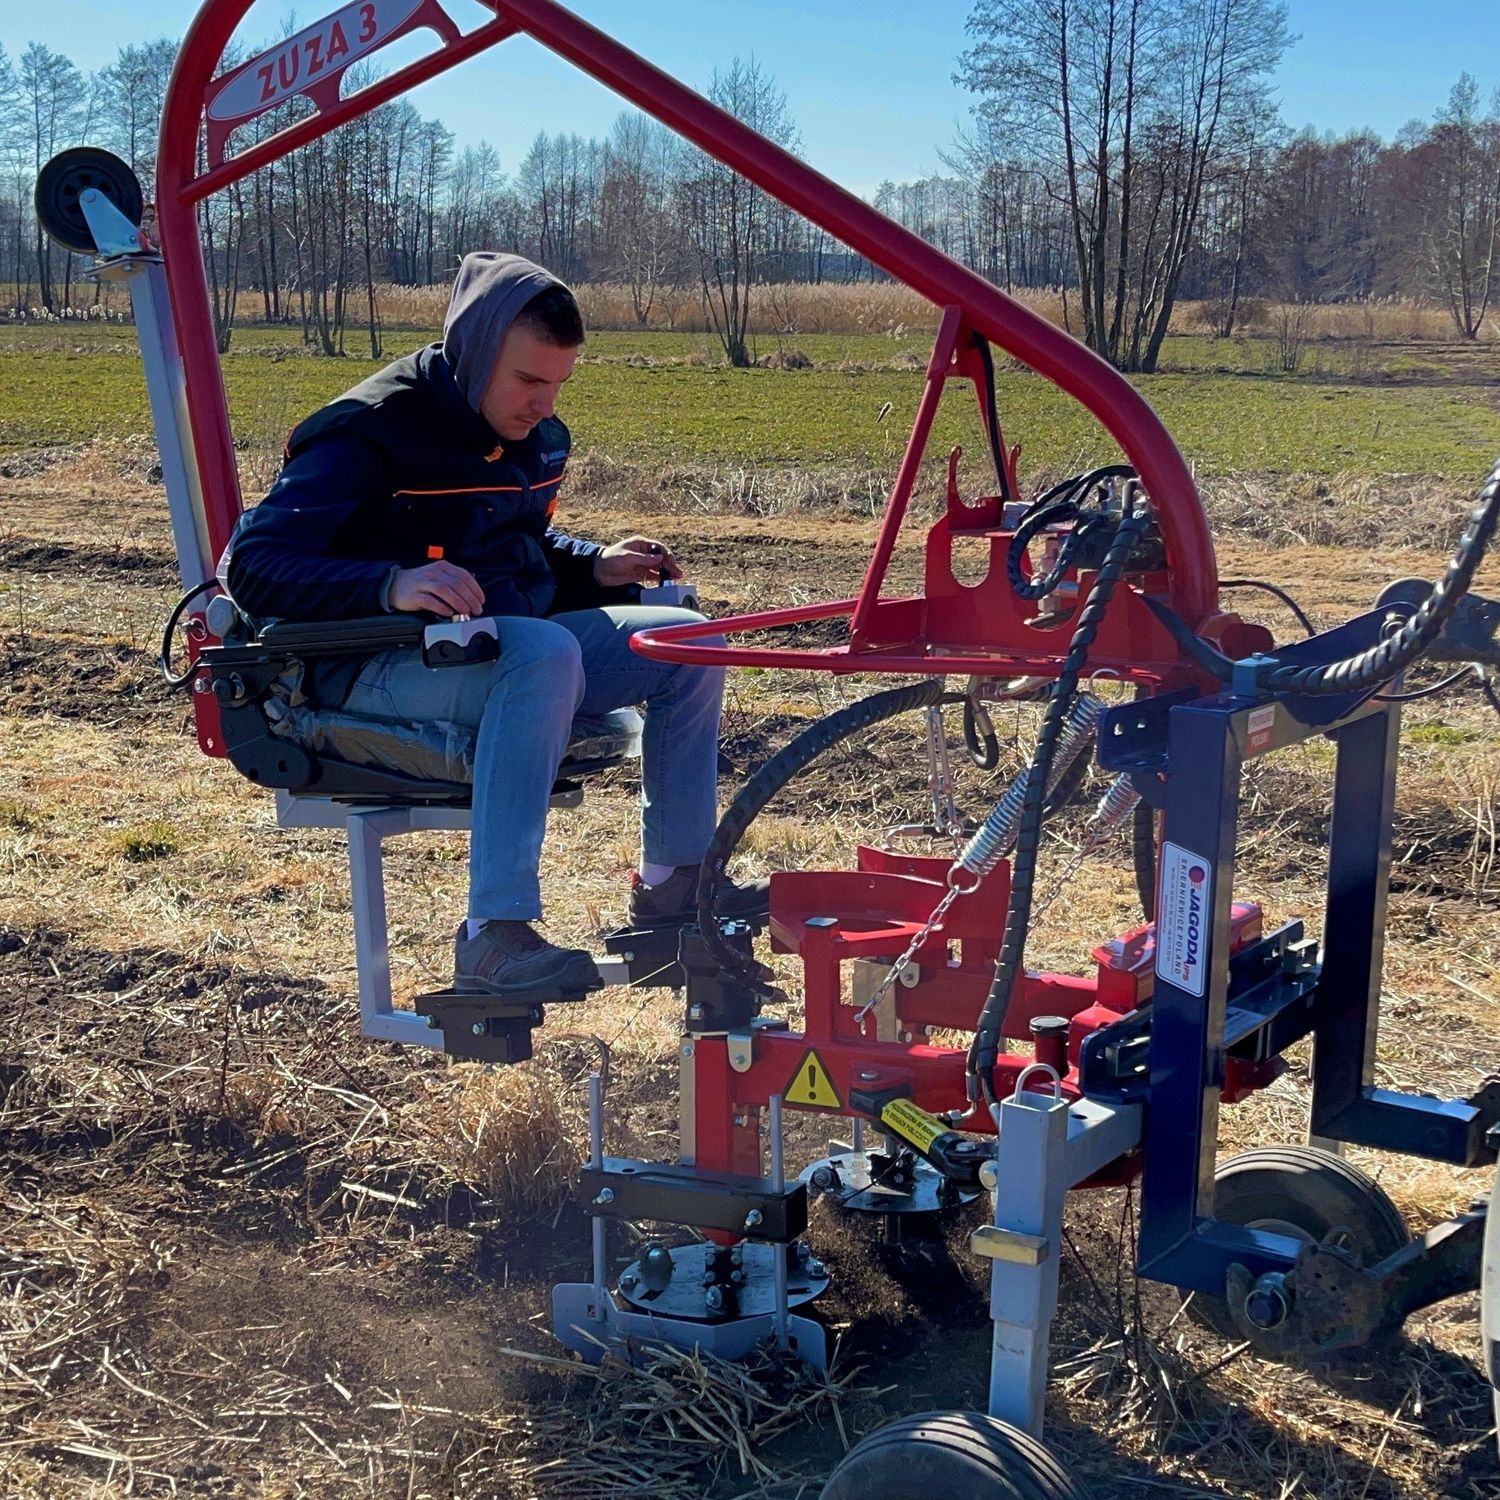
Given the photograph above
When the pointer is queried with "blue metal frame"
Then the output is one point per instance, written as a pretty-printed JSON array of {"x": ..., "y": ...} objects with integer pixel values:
[{"x": 1187, "y": 757}]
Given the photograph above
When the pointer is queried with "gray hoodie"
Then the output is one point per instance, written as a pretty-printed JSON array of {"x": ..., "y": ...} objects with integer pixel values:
[{"x": 490, "y": 289}]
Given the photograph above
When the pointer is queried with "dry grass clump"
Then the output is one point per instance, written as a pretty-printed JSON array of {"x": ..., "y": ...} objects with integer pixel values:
[
  {"x": 675, "y": 1426},
  {"x": 1375, "y": 319},
  {"x": 518, "y": 1133}
]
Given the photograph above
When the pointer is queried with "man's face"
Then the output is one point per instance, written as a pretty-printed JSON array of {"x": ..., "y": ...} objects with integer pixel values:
[{"x": 524, "y": 384}]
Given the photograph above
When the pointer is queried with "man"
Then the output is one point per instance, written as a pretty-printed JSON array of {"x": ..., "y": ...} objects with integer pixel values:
[{"x": 431, "y": 487}]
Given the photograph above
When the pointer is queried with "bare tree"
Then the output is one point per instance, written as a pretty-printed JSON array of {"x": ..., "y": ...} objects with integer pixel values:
[
  {"x": 1464, "y": 213},
  {"x": 724, "y": 215},
  {"x": 636, "y": 208},
  {"x": 133, "y": 90},
  {"x": 52, "y": 96},
  {"x": 1126, "y": 107}
]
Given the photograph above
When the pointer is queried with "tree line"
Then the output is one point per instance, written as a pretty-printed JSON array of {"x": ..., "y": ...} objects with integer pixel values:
[{"x": 1123, "y": 151}]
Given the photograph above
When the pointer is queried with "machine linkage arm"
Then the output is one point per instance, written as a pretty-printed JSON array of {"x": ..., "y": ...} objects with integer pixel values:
[{"x": 1327, "y": 1301}]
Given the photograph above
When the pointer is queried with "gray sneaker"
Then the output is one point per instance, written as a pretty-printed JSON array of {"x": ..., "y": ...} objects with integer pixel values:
[{"x": 511, "y": 958}]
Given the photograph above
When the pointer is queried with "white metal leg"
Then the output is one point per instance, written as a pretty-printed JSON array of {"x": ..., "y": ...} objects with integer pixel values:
[{"x": 1046, "y": 1145}]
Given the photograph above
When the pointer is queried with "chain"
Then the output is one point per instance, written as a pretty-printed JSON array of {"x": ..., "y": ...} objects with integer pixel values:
[
  {"x": 931, "y": 925},
  {"x": 946, "y": 817}
]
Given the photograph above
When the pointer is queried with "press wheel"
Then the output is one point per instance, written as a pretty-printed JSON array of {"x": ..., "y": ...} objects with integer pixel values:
[
  {"x": 1305, "y": 1194},
  {"x": 954, "y": 1455}
]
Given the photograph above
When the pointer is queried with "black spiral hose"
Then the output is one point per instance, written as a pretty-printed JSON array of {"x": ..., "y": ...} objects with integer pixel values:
[
  {"x": 756, "y": 793},
  {"x": 1143, "y": 855},
  {"x": 1378, "y": 663},
  {"x": 984, "y": 1050}
]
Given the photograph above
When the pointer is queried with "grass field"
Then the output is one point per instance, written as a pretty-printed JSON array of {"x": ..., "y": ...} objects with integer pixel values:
[
  {"x": 656, "y": 397},
  {"x": 250, "y": 1255}
]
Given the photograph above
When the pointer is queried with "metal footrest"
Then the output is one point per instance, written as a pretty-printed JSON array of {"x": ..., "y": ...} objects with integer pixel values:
[{"x": 490, "y": 1028}]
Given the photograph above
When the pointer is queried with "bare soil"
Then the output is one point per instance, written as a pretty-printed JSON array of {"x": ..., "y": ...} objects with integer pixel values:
[{"x": 249, "y": 1254}]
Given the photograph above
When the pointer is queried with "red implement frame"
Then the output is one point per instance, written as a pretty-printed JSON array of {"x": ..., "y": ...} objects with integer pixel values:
[
  {"x": 951, "y": 627},
  {"x": 887, "y": 635}
]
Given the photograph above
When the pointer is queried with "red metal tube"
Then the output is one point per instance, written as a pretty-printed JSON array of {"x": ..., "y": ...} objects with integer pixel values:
[{"x": 1118, "y": 406}]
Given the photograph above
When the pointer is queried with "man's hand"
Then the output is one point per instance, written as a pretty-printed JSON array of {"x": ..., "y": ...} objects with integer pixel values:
[
  {"x": 638, "y": 559},
  {"x": 442, "y": 588}
]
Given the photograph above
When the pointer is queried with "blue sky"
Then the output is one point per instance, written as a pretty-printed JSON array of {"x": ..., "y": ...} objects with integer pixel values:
[{"x": 869, "y": 82}]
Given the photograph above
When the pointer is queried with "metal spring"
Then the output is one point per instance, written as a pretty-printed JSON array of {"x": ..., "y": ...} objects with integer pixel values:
[
  {"x": 1115, "y": 806},
  {"x": 998, "y": 836}
]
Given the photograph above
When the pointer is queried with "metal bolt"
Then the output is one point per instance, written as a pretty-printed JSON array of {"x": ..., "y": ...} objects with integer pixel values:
[
  {"x": 754, "y": 1219},
  {"x": 433, "y": 1022},
  {"x": 713, "y": 1298},
  {"x": 709, "y": 1278},
  {"x": 606, "y": 1195},
  {"x": 479, "y": 1028},
  {"x": 687, "y": 1049},
  {"x": 741, "y": 1121},
  {"x": 695, "y": 1012},
  {"x": 825, "y": 1179},
  {"x": 1269, "y": 1304},
  {"x": 804, "y": 1251},
  {"x": 628, "y": 1280},
  {"x": 737, "y": 1256},
  {"x": 737, "y": 1278},
  {"x": 815, "y": 1268},
  {"x": 904, "y": 1036},
  {"x": 866, "y": 1076}
]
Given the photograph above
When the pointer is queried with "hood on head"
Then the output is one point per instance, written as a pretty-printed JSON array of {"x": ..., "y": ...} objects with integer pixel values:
[{"x": 490, "y": 289}]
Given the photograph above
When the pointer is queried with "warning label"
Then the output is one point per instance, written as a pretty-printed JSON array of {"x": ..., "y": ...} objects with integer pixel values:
[
  {"x": 1182, "y": 917},
  {"x": 1260, "y": 729},
  {"x": 810, "y": 1085},
  {"x": 912, "y": 1124}
]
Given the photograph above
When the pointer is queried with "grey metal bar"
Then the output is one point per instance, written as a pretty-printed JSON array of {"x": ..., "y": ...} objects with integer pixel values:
[
  {"x": 778, "y": 1182},
  {"x": 596, "y": 1160}
]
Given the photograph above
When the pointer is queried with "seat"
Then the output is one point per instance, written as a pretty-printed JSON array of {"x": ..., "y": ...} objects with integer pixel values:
[{"x": 402, "y": 783}]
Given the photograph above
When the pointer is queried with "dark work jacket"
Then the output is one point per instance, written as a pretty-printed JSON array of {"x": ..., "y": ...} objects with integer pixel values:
[{"x": 382, "y": 478}]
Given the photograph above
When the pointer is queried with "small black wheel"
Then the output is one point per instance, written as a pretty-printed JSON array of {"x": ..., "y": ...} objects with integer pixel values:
[
  {"x": 68, "y": 174},
  {"x": 1306, "y": 1194},
  {"x": 953, "y": 1455}
]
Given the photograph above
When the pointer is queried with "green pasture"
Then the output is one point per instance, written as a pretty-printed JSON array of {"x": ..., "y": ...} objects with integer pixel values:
[{"x": 664, "y": 397}]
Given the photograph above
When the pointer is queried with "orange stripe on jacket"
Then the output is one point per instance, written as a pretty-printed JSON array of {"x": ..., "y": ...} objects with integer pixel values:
[{"x": 486, "y": 489}]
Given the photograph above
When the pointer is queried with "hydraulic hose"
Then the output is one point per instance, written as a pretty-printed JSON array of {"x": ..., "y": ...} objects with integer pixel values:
[
  {"x": 1143, "y": 856},
  {"x": 984, "y": 1050},
  {"x": 1063, "y": 502},
  {"x": 181, "y": 679},
  {"x": 756, "y": 793},
  {"x": 1381, "y": 662},
  {"x": 997, "y": 837}
]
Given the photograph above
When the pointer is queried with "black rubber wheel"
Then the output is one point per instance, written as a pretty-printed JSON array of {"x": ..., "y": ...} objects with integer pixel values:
[
  {"x": 951, "y": 1455},
  {"x": 1305, "y": 1193},
  {"x": 68, "y": 174}
]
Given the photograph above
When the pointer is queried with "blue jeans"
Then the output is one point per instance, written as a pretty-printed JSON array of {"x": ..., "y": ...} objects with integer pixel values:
[{"x": 521, "y": 708}]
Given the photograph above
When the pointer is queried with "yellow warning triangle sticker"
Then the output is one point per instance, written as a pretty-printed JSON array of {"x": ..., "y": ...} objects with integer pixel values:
[{"x": 810, "y": 1085}]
